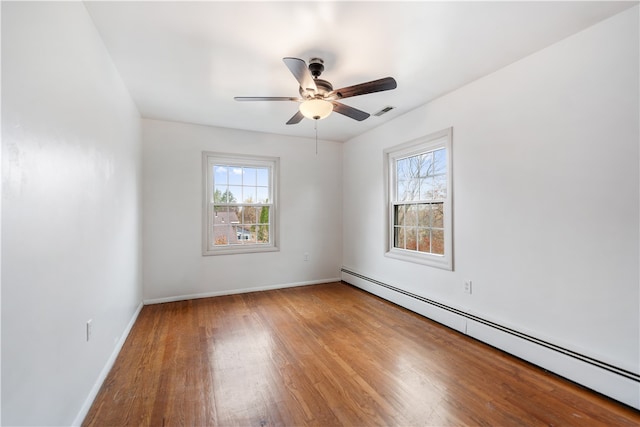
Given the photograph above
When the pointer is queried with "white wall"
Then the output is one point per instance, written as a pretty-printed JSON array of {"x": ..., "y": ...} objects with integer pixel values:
[
  {"x": 546, "y": 204},
  {"x": 310, "y": 213},
  {"x": 546, "y": 195},
  {"x": 70, "y": 211}
]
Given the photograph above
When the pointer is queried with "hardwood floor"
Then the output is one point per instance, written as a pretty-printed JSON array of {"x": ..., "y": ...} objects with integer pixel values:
[{"x": 326, "y": 355}]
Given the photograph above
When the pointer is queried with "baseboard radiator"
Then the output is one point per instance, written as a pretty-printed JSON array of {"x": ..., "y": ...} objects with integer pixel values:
[{"x": 609, "y": 380}]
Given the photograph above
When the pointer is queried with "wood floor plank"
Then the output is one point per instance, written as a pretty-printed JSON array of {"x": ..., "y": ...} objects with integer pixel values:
[{"x": 326, "y": 355}]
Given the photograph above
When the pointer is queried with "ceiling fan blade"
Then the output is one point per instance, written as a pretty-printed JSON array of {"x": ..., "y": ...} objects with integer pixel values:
[
  {"x": 351, "y": 112},
  {"x": 379, "y": 85},
  {"x": 267, "y": 98},
  {"x": 297, "y": 117},
  {"x": 301, "y": 72}
]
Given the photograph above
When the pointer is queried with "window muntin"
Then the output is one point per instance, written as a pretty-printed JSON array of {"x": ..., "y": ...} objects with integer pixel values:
[
  {"x": 419, "y": 189},
  {"x": 240, "y": 204}
]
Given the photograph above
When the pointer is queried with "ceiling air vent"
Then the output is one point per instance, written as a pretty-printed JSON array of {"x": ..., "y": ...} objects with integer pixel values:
[{"x": 385, "y": 110}]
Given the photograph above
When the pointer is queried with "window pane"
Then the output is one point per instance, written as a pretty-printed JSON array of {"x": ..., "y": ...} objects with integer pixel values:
[
  {"x": 402, "y": 170},
  {"x": 233, "y": 235},
  {"x": 424, "y": 240},
  {"x": 249, "y": 194},
  {"x": 424, "y": 215},
  {"x": 411, "y": 215},
  {"x": 249, "y": 176},
  {"x": 220, "y": 175},
  {"x": 437, "y": 242},
  {"x": 224, "y": 215},
  {"x": 426, "y": 188},
  {"x": 426, "y": 165},
  {"x": 440, "y": 161},
  {"x": 398, "y": 237},
  {"x": 262, "y": 195},
  {"x": 398, "y": 215},
  {"x": 413, "y": 190},
  {"x": 235, "y": 175},
  {"x": 401, "y": 191},
  {"x": 244, "y": 235},
  {"x": 439, "y": 186},
  {"x": 263, "y": 234},
  {"x": 249, "y": 215},
  {"x": 414, "y": 167},
  {"x": 437, "y": 215},
  {"x": 263, "y": 177},
  {"x": 411, "y": 238},
  {"x": 218, "y": 194},
  {"x": 262, "y": 214},
  {"x": 221, "y": 234},
  {"x": 235, "y": 194}
]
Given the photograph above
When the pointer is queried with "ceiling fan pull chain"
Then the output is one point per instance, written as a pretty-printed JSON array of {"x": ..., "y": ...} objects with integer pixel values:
[{"x": 315, "y": 126}]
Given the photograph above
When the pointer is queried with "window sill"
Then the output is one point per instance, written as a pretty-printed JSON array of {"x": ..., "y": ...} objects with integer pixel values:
[
  {"x": 438, "y": 261},
  {"x": 240, "y": 250}
]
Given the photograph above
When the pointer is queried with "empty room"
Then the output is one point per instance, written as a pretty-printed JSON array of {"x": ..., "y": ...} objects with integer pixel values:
[{"x": 320, "y": 213}]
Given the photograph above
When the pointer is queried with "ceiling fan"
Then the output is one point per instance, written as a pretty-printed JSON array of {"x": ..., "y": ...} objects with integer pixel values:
[{"x": 317, "y": 97}]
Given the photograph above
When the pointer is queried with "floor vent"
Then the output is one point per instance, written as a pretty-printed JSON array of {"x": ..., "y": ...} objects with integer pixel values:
[{"x": 384, "y": 111}]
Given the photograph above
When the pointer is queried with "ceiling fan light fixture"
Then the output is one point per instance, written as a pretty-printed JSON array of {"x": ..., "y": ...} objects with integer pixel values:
[{"x": 316, "y": 109}]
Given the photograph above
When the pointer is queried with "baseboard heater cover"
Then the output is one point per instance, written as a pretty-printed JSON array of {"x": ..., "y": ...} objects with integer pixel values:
[{"x": 602, "y": 377}]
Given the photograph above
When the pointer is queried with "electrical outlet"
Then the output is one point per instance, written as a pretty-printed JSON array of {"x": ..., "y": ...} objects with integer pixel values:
[
  {"x": 89, "y": 328},
  {"x": 467, "y": 287},
  {"x": 306, "y": 256}
]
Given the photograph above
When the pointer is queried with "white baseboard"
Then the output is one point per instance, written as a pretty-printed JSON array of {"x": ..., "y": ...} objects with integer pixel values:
[
  {"x": 105, "y": 371},
  {"x": 236, "y": 291},
  {"x": 608, "y": 380},
  {"x": 618, "y": 387}
]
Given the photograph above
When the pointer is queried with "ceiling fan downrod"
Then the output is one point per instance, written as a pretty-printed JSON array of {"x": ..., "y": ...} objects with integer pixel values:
[{"x": 316, "y": 67}]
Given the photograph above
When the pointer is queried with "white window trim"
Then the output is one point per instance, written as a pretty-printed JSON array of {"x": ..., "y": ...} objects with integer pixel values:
[
  {"x": 426, "y": 143},
  {"x": 210, "y": 158}
]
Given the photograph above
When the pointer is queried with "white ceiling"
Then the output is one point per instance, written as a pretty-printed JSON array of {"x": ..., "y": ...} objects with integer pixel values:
[{"x": 185, "y": 61}]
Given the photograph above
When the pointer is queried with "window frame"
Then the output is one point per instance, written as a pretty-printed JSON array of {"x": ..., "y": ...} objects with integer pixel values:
[
  {"x": 209, "y": 159},
  {"x": 425, "y": 144}
]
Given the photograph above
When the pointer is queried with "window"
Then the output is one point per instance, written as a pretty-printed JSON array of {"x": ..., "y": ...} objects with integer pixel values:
[
  {"x": 240, "y": 209},
  {"x": 418, "y": 175}
]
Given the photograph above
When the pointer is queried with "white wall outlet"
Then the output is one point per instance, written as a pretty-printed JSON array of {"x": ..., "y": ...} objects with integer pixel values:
[
  {"x": 89, "y": 328},
  {"x": 467, "y": 287},
  {"x": 306, "y": 256}
]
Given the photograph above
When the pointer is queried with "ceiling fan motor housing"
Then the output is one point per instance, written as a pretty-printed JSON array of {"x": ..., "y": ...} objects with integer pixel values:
[{"x": 323, "y": 86}]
